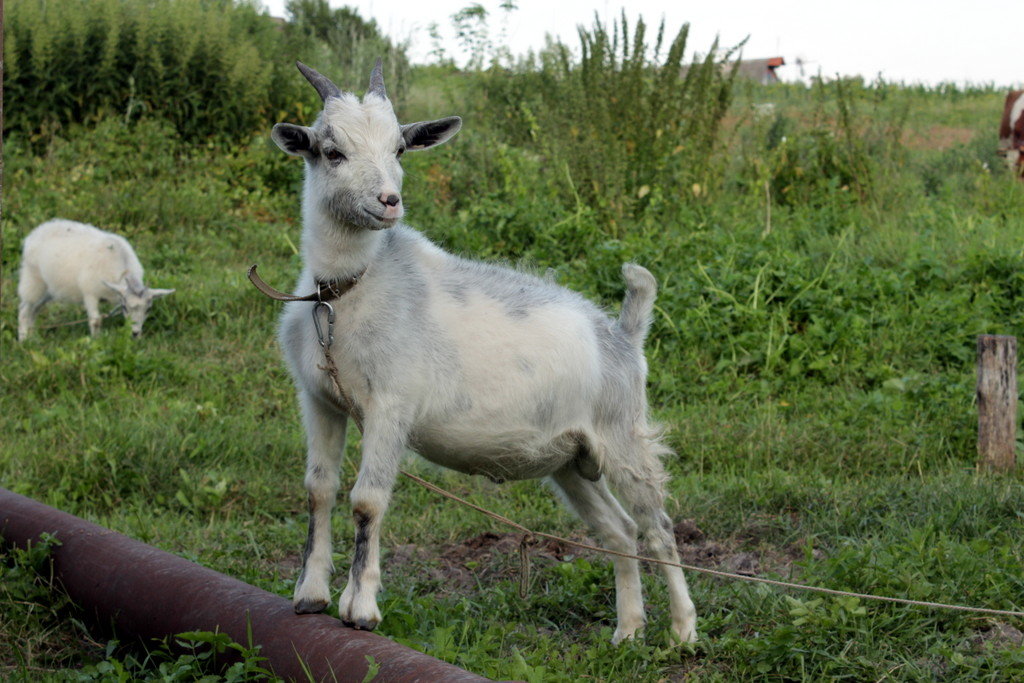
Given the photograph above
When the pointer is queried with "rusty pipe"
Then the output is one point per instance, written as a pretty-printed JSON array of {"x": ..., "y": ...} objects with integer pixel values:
[{"x": 150, "y": 593}]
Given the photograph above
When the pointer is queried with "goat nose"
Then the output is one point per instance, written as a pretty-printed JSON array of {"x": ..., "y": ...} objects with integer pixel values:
[{"x": 389, "y": 199}]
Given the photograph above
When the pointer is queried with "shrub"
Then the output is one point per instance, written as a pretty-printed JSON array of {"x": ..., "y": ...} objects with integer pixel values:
[
  {"x": 213, "y": 68},
  {"x": 81, "y": 61},
  {"x": 627, "y": 124},
  {"x": 350, "y": 46},
  {"x": 838, "y": 150}
]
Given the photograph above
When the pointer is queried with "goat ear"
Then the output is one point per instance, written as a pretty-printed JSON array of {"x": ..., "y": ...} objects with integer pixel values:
[
  {"x": 157, "y": 293},
  {"x": 297, "y": 140},
  {"x": 119, "y": 287},
  {"x": 426, "y": 134}
]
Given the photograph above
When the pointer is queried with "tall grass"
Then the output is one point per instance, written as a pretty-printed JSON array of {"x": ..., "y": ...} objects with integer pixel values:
[
  {"x": 626, "y": 127},
  {"x": 351, "y": 46},
  {"x": 212, "y": 68},
  {"x": 848, "y": 142},
  {"x": 78, "y": 61}
]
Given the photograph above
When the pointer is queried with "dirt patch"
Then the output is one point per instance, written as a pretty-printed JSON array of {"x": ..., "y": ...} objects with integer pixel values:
[
  {"x": 687, "y": 531},
  {"x": 749, "y": 551},
  {"x": 458, "y": 567},
  {"x": 498, "y": 555},
  {"x": 997, "y": 636},
  {"x": 484, "y": 547},
  {"x": 936, "y": 137}
]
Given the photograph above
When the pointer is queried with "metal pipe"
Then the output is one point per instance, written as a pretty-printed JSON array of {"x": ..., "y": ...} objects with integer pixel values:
[{"x": 153, "y": 594}]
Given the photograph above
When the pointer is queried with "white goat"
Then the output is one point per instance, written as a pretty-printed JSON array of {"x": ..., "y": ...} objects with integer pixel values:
[
  {"x": 482, "y": 369},
  {"x": 70, "y": 261}
]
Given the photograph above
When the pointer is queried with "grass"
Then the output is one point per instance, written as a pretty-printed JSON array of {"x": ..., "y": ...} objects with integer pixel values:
[{"x": 816, "y": 379}]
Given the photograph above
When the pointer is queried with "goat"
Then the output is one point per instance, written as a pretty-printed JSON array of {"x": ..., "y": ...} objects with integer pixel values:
[
  {"x": 71, "y": 261},
  {"x": 479, "y": 368}
]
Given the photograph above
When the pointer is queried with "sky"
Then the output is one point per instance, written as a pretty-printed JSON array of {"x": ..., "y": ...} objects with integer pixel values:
[{"x": 910, "y": 41}]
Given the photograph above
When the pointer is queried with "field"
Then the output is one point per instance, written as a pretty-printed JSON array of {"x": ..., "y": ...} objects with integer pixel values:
[{"x": 824, "y": 270}]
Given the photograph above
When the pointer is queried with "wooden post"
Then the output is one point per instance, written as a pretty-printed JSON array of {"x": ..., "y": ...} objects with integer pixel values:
[{"x": 997, "y": 402}]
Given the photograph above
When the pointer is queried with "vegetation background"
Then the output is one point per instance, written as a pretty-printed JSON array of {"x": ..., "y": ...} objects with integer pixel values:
[{"x": 825, "y": 265}]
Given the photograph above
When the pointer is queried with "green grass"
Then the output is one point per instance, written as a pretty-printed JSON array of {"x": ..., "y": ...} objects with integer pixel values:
[{"x": 816, "y": 379}]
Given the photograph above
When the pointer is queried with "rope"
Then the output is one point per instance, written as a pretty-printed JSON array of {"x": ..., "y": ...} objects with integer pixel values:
[
  {"x": 703, "y": 570},
  {"x": 108, "y": 314}
]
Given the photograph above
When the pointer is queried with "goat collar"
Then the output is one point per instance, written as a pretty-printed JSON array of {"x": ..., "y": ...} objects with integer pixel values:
[{"x": 326, "y": 290}]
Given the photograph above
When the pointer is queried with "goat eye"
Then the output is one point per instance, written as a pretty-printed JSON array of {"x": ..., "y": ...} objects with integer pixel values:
[
  {"x": 400, "y": 152},
  {"x": 334, "y": 155}
]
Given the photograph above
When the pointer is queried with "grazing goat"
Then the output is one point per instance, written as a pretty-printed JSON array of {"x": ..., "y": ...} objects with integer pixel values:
[
  {"x": 71, "y": 261},
  {"x": 482, "y": 369}
]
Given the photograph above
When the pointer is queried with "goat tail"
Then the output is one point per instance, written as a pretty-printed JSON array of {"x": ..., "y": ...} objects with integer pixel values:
[{"x": 641, "y": 288}]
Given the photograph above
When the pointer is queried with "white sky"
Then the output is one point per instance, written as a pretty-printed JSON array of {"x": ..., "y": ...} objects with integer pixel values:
[{"x": 914, "y": 41}]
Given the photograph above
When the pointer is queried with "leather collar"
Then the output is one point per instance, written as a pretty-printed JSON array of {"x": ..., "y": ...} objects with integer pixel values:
[{"x": 326, "y": 290}]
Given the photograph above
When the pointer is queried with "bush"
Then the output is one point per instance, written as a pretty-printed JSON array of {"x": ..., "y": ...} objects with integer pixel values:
[
  {"x": 838, "y": 150},
  {"x": 351, "y": 45},
  {"x": 627, "y": 125},
  {"x": 212, "y": 68},
  {"x": 80, "y": 61}
]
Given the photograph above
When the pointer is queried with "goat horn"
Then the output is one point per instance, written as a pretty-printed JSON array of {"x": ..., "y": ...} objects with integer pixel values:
[
  {"x": 323, "y": 85},
  {"x": 377, "y": 80}
]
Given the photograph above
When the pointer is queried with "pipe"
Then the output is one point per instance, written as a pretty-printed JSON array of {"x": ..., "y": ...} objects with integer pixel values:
[{"x": 153, "y": 594}]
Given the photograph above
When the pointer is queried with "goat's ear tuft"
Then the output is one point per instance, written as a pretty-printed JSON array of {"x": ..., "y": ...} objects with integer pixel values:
[
  {"x": 297, "y": 140},
  {"x": 430, "y": 133}
]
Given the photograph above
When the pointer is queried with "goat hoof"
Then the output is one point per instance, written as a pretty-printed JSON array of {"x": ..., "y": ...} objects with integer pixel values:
[
  {"x": 686, "y": 637},
  {"x": 626, "y": 633},
  {"x": 685, "y": 634},
  {"x": 365, "y": 624},
  {"x": 307, "y": 606},
  {"x": 361, "y": 624}
]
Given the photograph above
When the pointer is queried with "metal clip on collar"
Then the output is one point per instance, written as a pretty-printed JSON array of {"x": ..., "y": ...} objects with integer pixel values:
[{"x": 330, "y": 323}]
